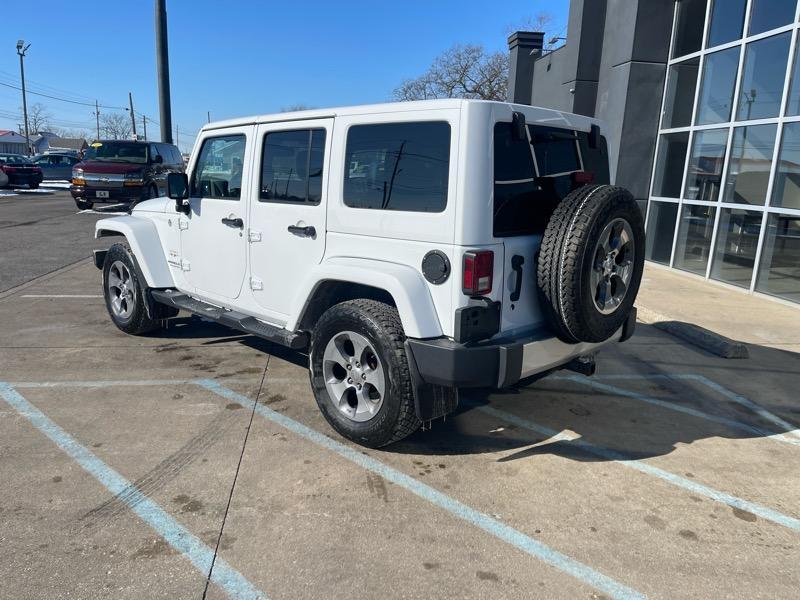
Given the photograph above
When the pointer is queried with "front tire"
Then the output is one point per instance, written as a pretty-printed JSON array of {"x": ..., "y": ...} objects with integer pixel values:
[
  {"x": 83, "y": 204},
  {"x": 125, "y": 294},
  {"x": 359, "y": 373}
]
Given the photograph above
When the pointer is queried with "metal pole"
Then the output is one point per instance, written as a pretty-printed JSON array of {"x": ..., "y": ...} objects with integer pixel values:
[
  {"x": 97, "y": 117},
  {"x": 21, "y": 50},
  {"x": 133, "y": 116},
  {"x": 209, "y": 116},
  {"x": 144, "y": 124},
  {"x": 162, "y": 62},
  {"x": 177, "y": 138}
]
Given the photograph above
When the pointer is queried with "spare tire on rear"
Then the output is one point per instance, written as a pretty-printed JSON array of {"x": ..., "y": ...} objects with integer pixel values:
[{"x": 590, "y": 263}]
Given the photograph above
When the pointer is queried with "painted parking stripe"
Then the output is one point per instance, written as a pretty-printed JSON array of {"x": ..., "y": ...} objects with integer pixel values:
[
  {"x": 617, "y": 457},
  {"x": 481, "y": 520},
  {"x": 61, "y": 296},
  {"x": 732, "y": 423},
  {"x": 201, "y": 556}
]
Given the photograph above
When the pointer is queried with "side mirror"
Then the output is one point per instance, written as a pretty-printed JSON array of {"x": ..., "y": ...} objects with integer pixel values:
[
  {"x": 178, "y": 190},
  {"x": 158, "y": 159}
]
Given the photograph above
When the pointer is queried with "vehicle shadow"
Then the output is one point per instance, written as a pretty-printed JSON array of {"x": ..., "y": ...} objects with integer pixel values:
[{"x": 643, "y": 415}]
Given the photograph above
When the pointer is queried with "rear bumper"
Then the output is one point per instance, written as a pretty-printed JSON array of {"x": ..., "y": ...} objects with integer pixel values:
[
  {"x": 24, "y": 178},
  {"x": 499, "y": 364}
]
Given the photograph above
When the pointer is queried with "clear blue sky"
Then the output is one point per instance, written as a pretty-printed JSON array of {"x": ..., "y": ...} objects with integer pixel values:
[{"x": 234, "y": 57}]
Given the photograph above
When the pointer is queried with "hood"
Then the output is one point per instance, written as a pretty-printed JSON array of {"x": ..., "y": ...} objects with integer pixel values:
[
  {"x": 156, "y": 205},
  {"x": 96, "y": 166}
]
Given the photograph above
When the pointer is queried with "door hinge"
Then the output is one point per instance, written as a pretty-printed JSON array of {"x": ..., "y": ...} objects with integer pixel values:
[
  {"x": 185, "y": 265},
  {"x": 256, "y": 284},
  {"x": 183, "y": 224},
  {"x": 253, "y": 236}
]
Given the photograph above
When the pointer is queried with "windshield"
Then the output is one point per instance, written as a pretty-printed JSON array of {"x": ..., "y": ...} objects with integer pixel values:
[{"x": 127, "y": 152}]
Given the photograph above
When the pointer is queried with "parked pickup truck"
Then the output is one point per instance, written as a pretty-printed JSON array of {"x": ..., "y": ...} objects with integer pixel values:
[{"x": 412, "y": 250}]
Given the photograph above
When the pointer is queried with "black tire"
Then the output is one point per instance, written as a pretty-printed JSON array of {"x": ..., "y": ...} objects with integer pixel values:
[
  {"x": 33, "y": 186},
  {"x": 380, "y": 324},
  {"x": 83, "y": 204},
  {"x": 568, "y": 256},
  {"x": 152, "y": 192},
  {"x": 138, "y": 321}
]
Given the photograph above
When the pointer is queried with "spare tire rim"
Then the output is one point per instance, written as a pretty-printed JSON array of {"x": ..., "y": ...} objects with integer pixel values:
[
  {"x": 612, "y": 269},
  {"x": 121, "y": 290},
  {"x": 354, "y": 376}
]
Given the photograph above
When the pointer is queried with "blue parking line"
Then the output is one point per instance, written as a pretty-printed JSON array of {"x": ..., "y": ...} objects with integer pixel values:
[
  {"x": 732, "y": 423},
  {"x": 481, "y": 520},
  {"x": 617, "y": 457},
  {"x": 231, "y": 581}
]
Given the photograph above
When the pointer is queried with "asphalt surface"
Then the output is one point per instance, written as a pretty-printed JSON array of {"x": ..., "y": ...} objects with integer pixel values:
[
  {"x": 40, "y": 231},
  {"x": 131, "y": 465}
]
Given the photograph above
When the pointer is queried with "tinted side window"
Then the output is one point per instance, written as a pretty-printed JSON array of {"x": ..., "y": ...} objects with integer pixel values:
[
  {"x": 555, "y": 149},
  {"x": 177, "y": 159},
  {"x": 218, "y": 172},
  {"x": 521, "y": 205},
  {"x": 154, "y": 152},
  {"x": 398, "y": 166},
  {"x": 291, "y": 166},
  {"x": 595, "y": 160}
]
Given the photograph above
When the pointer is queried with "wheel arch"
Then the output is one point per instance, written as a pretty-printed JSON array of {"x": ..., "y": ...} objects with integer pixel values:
[
  {"x": 341, "y": 279},
  {"x": 145, "y": 244}
]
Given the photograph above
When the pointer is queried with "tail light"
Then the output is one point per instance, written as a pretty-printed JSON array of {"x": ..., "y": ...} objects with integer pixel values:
[
  {"x": 478, "y": 272},
  {"x": 7, "y": 169}
]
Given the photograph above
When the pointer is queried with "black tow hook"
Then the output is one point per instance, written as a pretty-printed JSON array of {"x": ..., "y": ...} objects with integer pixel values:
[{"x": 585, "y": 365}]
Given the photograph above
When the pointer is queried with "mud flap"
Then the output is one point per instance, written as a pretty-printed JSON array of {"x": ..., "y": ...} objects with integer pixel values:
[{"x": 431, "y": 401}]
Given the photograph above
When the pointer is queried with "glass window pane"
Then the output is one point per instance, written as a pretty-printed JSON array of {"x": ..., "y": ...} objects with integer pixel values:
[
  {"x": 769, "y": 14},
  {"x": 793, "y": 104},
  {"x": 679, "y": 94},
  {"x": 669, "y": 164},
  {"x": 218, "y": 171},
  {"x": 737, "y": 241},
  {"x": 694, "y": 238},
  {"x": 727, "y": 21},
  {"x": 689, "y": 26},
  {"x": 716, "y": 93},
  {"x": 786, "y": 190},
  {"x": 761, "y": 89},
  {"x": 779, "y": 273},
  {"x": 398, "y": 166},
  {"x": 660, "y": 231},
  {"x": 283, "y": 166},
  {"x": 704, "y": 174},
  {"x": 555, "y": 149},
  {"x": 749, "y": 164}
]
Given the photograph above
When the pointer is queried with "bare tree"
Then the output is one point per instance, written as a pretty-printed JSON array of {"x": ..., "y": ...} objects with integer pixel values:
[
  {"x": 70, "y": 133},
  {"x": 460, "y": 72},
  {"x": 541, "y": 21},
  {"x": 115, "y": 126},
  {"x": 38, "y": 118}
]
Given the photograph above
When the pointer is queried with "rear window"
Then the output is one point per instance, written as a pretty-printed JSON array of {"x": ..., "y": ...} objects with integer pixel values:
[
  {"x": 532, "y": 176},
  {"x": 398, "y": 166}
]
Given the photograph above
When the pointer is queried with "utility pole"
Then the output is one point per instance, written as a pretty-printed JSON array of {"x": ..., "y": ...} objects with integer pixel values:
[
  {"x": 209, "y": 116},
  {"x": 177, "y": 138},
  {"x": 97, "y": 117},
  {"x": 162, "y": 62},
  {"x": 144, "y": 124},
  {"x": 21, "y": 50},
  {"x": 133, "y": 117}
]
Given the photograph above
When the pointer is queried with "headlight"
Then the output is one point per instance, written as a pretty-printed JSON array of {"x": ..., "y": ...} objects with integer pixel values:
[
  {"x": 77, "y": 177},
  {"x": 134, "y": 178}
]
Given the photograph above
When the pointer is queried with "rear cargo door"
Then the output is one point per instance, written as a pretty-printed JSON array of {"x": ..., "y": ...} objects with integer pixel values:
[{"x": 531, "y": 176}]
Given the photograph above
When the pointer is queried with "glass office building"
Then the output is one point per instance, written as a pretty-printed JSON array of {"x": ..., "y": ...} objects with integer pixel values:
[{"x": 724, "y": 200}]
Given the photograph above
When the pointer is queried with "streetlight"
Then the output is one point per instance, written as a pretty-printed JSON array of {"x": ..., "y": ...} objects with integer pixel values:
[{"x": 21, "y": 50}]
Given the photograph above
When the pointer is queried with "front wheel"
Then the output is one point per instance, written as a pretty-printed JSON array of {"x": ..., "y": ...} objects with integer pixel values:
[
  {"x": 83, "y": 204},
  {"x": 125, "y": 294},
  {"x": 33, "y": 186},
  {"x": 359, "y": 373}
]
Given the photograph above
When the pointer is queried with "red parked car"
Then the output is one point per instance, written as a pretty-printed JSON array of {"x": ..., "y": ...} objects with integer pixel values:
[{"x": 16, "y": 169}]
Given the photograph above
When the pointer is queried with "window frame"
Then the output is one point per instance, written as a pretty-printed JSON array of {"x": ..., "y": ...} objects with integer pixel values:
[
  {"x": 193, "y": 177},
  {"x": 310, "y": 131}
]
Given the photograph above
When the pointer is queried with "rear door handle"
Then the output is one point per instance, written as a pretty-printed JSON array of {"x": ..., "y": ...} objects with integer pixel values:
[
  {"x": 307, "y": 231},
  {"x": 236, "y": 222}
]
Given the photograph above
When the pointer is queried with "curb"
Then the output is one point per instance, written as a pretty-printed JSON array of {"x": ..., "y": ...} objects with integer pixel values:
[{"x": 704, "y": 339}]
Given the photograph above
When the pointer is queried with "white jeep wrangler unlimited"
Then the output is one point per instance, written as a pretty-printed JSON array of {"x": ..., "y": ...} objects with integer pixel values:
[{"x": 413, "y": 249}]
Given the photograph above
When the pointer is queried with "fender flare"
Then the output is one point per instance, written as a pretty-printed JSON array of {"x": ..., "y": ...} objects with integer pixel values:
[
  {"x": 406, "y": 286},
  {"x": 142, "y": 236}
]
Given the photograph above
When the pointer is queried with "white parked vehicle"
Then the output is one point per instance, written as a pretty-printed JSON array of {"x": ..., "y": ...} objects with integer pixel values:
[{"x": 412, "y": 249}]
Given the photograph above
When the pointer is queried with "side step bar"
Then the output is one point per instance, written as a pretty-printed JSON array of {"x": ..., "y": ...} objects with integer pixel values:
[{"x": 231, "y": 318}]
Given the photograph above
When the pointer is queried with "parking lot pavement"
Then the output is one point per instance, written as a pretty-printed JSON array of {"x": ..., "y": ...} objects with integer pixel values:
[{"x": 131, "y": 464}]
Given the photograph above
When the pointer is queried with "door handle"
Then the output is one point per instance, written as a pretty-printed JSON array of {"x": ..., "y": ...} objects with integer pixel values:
[
  {"x": 237, "y": 222},
  {"x": 307, "y": 231},
  {"x": 516, "y": 264}
]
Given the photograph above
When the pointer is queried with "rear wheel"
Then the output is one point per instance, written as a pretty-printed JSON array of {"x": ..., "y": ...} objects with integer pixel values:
[
  {"x": 125, "y": 294},
  {"x": 590, "y": 263},
  {"x": 33, "y": 186},
  {"x": 359, "y": 373}
]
